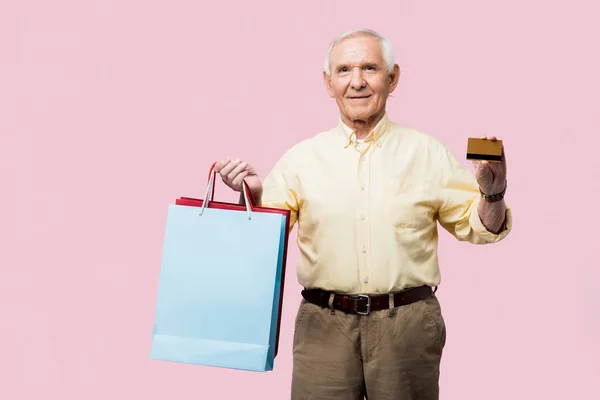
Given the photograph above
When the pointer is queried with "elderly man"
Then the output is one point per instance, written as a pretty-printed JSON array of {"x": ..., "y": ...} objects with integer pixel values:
[{"x": 367, "y": 196}]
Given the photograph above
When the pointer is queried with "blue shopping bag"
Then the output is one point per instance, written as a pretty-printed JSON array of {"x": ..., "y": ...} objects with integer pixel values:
[{"x": 221, "y": 283}]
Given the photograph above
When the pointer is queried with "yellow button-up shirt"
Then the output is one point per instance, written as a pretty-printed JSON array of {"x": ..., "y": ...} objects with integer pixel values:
[{"x": 367, "y": 213}]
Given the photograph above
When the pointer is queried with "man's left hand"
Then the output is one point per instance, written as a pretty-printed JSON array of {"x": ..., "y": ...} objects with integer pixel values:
[{"x": 491, "y": 175}]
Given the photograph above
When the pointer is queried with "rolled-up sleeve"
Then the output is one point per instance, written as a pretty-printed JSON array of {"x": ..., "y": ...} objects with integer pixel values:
[
  {"x": 480, "y": 230},
  {"x": 281, "y": 188}
]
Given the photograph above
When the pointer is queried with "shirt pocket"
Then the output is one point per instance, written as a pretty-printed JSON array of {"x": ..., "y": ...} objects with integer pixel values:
[{"x": 409, "y": 205}]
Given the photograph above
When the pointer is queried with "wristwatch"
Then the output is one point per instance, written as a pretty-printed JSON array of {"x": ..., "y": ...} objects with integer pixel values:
[{"x": 492, "y": 198}]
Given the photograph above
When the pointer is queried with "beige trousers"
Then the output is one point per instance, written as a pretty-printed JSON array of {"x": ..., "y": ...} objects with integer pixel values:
[{"x": 380, "y": 356}]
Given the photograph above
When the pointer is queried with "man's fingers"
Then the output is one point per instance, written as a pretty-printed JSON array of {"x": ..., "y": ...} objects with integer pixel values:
[
  {"x": 492, "y": 138},
  {"x": 220, "y": 164},
  {"x": 239, "y": 178},
  {"x": 228, "y": 168},
  {"x": 233, "y": 172},
  {"x": 236, "y": 171}
]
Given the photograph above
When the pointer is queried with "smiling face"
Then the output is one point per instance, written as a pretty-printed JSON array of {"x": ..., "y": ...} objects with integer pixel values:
[{"x": 360, "y": 81}]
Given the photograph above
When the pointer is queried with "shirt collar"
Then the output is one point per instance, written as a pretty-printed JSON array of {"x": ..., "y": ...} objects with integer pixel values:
[{"x": 376, "y": 135}]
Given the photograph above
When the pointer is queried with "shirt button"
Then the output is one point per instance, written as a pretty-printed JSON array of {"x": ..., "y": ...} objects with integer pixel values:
[
  {"x": 362, "y": 217},
  {"x": 364, "y": 249},
  {"x": 362, "y": 187},
  {"x": 366, "y": 280},
  {"x": 364, "y": 158}
]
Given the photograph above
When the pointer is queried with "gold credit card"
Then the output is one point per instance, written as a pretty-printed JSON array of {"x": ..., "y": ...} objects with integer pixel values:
[{"x": 484, "y": 149}]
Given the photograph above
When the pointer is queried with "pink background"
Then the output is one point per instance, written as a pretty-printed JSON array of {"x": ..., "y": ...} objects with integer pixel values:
[{"x": 109, "y": 110}]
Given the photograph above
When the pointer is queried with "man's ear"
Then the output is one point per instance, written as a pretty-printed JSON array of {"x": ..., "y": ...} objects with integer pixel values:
[
  {"x": 327, "y": 82},
  {"x": 394, "y": 78}
]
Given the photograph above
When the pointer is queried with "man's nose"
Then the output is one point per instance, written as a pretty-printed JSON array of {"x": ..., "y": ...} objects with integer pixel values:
[{"x": 357, "y": 79}]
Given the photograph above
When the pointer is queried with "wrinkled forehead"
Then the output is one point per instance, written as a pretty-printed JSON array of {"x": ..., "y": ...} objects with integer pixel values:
[{"x": 357, "y": 50}]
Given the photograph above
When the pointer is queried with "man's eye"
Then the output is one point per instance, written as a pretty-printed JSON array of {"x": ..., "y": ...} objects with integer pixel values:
[
  {"x": 343, "y": 69},
  {"x": 370, "y": 68}
]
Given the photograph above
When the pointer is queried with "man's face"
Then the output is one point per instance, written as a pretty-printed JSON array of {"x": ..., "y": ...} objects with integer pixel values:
[{"x": 360, "y": 82}]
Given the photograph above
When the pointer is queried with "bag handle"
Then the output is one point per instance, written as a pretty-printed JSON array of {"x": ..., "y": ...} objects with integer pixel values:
[
  {"x": 210, "y": 188},
  {"x": 250, "y": 195}
]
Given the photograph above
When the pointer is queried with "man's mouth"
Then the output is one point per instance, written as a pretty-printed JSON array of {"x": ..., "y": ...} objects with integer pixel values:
[{"x": 359, "y": 97}]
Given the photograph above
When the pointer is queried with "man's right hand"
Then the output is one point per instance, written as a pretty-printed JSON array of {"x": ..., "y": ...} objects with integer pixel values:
[{"x": 233, "y": 173}]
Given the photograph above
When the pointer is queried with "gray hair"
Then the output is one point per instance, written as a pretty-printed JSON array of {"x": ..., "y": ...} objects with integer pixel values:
[{"x": 386, "y": 47}]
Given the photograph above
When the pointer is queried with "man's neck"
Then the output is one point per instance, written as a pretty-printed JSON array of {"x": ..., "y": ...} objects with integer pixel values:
[{"x": 362, "y": 127}]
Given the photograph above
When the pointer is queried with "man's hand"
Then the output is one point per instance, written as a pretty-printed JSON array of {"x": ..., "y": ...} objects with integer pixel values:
[
  {"x": 233, "y": 173},
  {"x": 491, "y": 176}
]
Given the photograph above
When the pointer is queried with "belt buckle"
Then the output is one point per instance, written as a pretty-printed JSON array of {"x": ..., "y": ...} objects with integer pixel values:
[{"x": 364, "y": 296}]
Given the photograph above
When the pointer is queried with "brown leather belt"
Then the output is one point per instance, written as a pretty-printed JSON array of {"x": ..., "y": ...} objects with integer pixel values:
[{"x": 363, "y": 304}]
